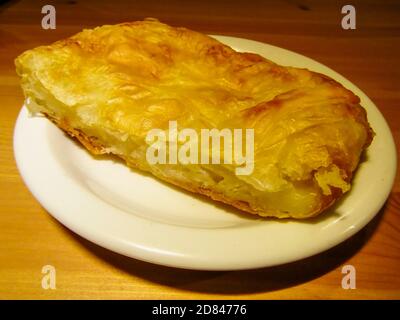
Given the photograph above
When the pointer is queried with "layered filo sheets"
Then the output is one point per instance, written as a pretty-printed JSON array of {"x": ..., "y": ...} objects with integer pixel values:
[{"x": 110, "y": 86}]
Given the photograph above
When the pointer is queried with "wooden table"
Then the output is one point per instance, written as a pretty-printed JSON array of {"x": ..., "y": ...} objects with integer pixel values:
[{"x": 30, "y": 238}]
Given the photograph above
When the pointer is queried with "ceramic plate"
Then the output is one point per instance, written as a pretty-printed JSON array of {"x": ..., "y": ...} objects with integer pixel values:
[{"x": 136, "y": 215}]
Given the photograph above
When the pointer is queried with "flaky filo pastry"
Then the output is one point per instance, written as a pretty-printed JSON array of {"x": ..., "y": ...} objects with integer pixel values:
[{"x": 109, "y": 86}]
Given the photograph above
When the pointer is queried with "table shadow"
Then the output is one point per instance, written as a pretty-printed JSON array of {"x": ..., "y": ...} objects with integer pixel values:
[{"x": 238, "y": 282}]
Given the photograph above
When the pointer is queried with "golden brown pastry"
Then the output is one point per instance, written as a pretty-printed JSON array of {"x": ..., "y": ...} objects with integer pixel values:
[{"x": 109, "y": 86}]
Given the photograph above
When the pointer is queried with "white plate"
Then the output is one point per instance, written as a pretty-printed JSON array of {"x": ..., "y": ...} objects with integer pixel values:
[{"x": 141, "y": 217}]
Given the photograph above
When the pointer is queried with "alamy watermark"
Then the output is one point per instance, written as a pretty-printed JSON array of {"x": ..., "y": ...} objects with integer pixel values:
[
  {"x": 349, "y": 20},
  {"x": 49, "y": 20},
  {"x": 210, "y": 146},
  {"x": 349, "y": 278},
  {"x": 49, "y": 277}
]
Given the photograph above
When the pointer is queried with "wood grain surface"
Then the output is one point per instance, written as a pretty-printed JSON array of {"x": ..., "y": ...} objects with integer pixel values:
[{"x": 30, "y": 238}]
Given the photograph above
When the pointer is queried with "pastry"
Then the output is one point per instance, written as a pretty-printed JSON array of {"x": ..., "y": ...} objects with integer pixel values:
[{"x": 111, "y": 86}]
